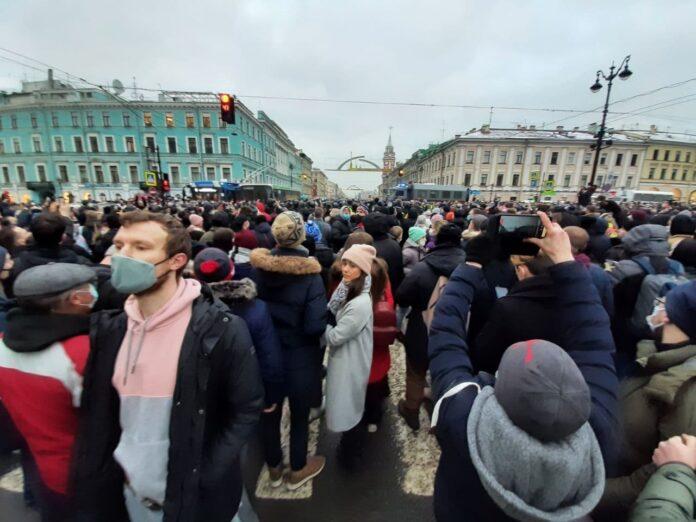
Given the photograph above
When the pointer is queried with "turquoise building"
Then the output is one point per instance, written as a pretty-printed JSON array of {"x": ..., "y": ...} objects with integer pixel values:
[{"x": 86, "y": 142}]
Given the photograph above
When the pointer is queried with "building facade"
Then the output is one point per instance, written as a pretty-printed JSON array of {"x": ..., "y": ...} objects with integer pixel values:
[
  {"x": 523, "y": 164},
  {"x": 55, "y": 138},
  {"x": 320, "y": 184}
]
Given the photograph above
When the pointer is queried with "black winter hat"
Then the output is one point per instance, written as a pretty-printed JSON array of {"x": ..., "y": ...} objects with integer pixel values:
[
  {"x": 449, "y": 234},
  {"x": 376, "y": 224}
]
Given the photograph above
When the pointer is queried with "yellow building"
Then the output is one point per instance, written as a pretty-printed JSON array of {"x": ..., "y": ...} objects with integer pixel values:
[{"x": 669, "y": 164}]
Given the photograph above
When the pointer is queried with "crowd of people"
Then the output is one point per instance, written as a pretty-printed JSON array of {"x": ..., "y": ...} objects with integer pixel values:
[{"x": 146, "y": 342}]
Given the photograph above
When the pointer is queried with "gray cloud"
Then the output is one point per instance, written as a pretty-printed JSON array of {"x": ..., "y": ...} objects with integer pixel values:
[{"x": 532, "y": 54}]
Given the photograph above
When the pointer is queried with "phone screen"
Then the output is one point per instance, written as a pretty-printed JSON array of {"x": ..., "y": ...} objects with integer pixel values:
[{"x": 521, "y": 226}]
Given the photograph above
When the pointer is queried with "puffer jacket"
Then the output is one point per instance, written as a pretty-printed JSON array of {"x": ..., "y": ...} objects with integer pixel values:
[
  {"x": 290, "y": 283},
  {"x": 412, "y": 254},
  {"x": 669, "y": 495},
  {"x": 241, "y": 298}
]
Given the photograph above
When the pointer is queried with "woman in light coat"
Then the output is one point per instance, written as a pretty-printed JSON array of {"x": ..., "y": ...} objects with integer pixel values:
[{"x": 350, "y": 351}]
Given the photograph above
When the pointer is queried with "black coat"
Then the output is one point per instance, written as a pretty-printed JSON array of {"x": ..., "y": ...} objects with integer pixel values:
[
  {"x": 291, "y": 285},
  {"x": 415, "y": 291},
  {"x": 340, "y": 230},
  {"x": 389, "y": 250},
  {"x": 264, "y": 237},
  {"x": 217, "y": 403},
  {"x": 102, "y": 245}
]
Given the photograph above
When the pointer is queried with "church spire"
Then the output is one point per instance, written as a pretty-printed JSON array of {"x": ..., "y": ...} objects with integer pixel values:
[{"x": 389, "y": 158}]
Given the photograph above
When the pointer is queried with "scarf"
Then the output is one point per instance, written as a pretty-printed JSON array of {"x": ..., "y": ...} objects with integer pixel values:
[{"x": 338, "y": 298}]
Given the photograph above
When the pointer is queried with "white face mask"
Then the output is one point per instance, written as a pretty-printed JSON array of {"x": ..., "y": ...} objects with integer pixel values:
[{"x": 652, "y": 318}]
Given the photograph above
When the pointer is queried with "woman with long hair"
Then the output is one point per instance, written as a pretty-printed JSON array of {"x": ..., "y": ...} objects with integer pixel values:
[{"x": 349, "y": 339}]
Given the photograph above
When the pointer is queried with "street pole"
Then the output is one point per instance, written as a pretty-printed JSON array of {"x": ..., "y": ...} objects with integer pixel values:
[{"x": 614, "y": 71}]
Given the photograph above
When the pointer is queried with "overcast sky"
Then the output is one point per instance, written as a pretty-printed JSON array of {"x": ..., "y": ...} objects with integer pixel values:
[{"x": 503, "y": 53}]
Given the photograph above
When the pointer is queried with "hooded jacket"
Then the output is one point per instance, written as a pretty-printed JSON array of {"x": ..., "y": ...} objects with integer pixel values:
[
  {"x": 241, "y": 298},
  {"x": 340, "y": 229},
  {"x": 415, "y": 292},
  {"x": 598, "y": 243},
  {"x": 412, "y": 254},
  {"x": 290, "y": 283},
  {"x": 42, "y": 359},
  {"x": 217, "y": 402},
  {"x": 378, "y": 225},
  {"x": 459, "y": 491}
]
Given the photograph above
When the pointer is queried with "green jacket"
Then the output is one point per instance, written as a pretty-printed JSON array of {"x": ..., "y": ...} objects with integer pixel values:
[
  {"x": 656, "y": 404},
  {"x": 669, "y": 495}
]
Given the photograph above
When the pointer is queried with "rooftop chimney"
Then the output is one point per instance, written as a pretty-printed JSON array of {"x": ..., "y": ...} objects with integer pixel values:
[
  {"x": 457, "y": 136},
  {"x": 50, "y": 78},
  {"x": 486, "y": 129},
  {"x": 653, "y": 129},
  {"x": 559, "y": 128},
  {"x": 532, "y": 127}
]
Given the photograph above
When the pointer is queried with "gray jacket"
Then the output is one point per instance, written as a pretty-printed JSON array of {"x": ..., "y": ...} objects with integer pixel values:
[{"x": 350, "y": 359}]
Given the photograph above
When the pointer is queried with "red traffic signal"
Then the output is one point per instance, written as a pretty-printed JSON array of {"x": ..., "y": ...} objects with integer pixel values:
[
  {"x": 226, "y": 107},
  {"x": 165, "y": 183}
]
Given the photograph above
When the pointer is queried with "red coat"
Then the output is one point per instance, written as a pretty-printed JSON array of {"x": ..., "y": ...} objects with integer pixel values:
[{"x": 384, "y": 333}]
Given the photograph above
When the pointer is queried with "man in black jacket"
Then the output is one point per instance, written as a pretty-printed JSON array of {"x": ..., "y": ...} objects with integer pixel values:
[
  {"x": 172, "y": 389},
  {"x": 415, "y": 292},
  {"x": 378, "y": 225}
]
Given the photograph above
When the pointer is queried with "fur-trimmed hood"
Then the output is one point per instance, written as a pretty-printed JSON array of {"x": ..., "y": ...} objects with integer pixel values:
[
  {"x": 284, "y": 261},
  {"x": 240, "y": 291}
]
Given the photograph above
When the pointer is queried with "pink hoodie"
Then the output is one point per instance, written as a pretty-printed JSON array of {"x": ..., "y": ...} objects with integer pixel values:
[{"x": 145, "y": 377}]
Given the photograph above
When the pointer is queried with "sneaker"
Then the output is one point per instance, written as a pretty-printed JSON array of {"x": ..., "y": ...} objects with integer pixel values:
[
  {"x": 372, "y": 428},
  {"x": 276, "y": 475},
  {"x": 315, "y": 465},
  {"x": 409, "y": 415}
]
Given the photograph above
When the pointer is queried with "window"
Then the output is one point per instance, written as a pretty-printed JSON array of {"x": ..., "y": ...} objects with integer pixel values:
[
  {"x": 113, "y": 171},
  {"x": 150, "y": 143},
  {"x": 147, "y": 119},
  {"x": 486, "y": 156},
  {"x": 226, "y": 173},
  {"x": 169, "y": 119},
  {"x": 208, "y": 145},
  {"x": 554, "y": 158},
  {"x": 571, "y": 158},
  {"x": 195, "y": 173},
  {"x": 98, "y": 174},
  {"x": 688, "y": 154},
  {"x": 2, "y": 147},
  {"x": 484, "y": 179},
  {"x": 0, "y": 122},
  {"x": 133, "y": 171},
  {"x": 106, "y": 119},
  {"x": 537, "y": 158},
  {"x": 63, "y": 173},
  {"x": 36, "y": 143},
  {"x": 634, "y": 160},
  {"x": 90, "y": 119},
  {"x": 583, "y": 180},
  {"x": 619, "y": 160},
  {"x": 171, "y": 145},
  {"x": 6, "y": 175},
  {"x": 206, "y": 121},
  {"x": 21, "y": 178},
  {"x": 651, "y": 174},
  {"x": 518, "y": 158},
  {"x": 677, "y": 156},
  {"x": 603, "y": 158},
  {"x": 74, "y": 119},
  {"x": 221, "y": 123},
  {"x": 499, "y": 180},
  {"x": 174, "y": 172},
  {"x": 244, "y": 151},
  {"x": 130, "y": 144},
  {"x": 515, "y": 180},
  {"x": 109, "y": 141},
  {"x": 190, "y": 122},
  {"x": 82, "y": 170},
  {"x": 655, "y": 153},
  {"x": 16, "y": 146},
  {"x": 666, "y": 156},
  {"x": 13, "y": 121},
  {"x": 600, "y": 181},
  {"x": 224, "y": 146},
  {"x": 685, "y": 172},
  {"x": 34, "y": 123},
  {"x": 629, "y": 181},
  {"x": 192, "y": 146},
  {"x": 663, "y": 173},
  {"x": 93, "y": 144},
  {"x": 566, "y": 180},
  {"x": 469, "y": 156},
  {"x": 586, "y": 158},
  {"x": 126, "y": 119},
  {"x": 674, "y": 174},
  {"x": 210, "y": 173},
  {"x": 41, "y": 173},
  {"x": 502, "y": 157},
  {"x": 467, "y": 179},
  {"x": 54, "y": 119}
]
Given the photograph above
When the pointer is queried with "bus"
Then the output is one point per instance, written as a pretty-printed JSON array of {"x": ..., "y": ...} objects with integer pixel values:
[
  {"x": 431, "y": 192},
  {"x": 647, "y": 196},
  {"x": 260, "y": 191}
]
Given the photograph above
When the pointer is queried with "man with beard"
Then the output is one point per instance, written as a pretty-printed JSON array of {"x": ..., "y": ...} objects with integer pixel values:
[{"x": 172, "y": 389}]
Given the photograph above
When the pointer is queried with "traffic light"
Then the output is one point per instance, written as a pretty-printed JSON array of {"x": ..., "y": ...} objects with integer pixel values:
[
  {"x": 165, "y": 182},
  {"x": 401, "y": 172},
  {"x": 226, "y": 107}
]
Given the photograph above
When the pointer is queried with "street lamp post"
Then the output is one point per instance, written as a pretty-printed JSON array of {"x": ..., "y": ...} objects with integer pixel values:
[{"x": 623, "y": 74}]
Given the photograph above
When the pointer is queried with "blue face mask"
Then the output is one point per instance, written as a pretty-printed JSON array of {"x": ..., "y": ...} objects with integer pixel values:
[
  {"x": 132, "y": 276},
  {"x": 346, "y": 217}
]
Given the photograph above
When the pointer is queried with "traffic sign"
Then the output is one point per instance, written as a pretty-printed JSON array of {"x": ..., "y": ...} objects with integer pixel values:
[{"x": 150, "y": 178}]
